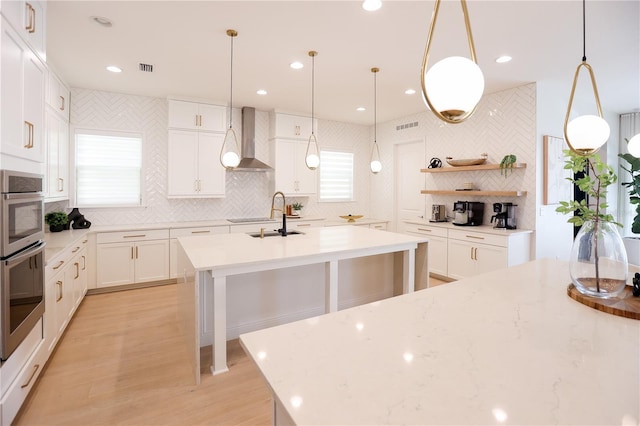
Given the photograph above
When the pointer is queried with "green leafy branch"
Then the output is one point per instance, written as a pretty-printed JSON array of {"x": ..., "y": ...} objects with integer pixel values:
[
  {"x": 594, "y": 184},
  {"x": 507, "y": 164},
  {"x": 633, "y": 186}
]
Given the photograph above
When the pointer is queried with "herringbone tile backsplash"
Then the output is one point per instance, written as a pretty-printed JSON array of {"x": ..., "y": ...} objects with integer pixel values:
[{"x": 504, "y": 123}]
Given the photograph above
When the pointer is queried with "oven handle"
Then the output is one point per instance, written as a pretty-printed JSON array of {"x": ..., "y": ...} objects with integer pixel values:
[
  {"x": 23, "y": 255},
  {"x": 22, "y": 195}
]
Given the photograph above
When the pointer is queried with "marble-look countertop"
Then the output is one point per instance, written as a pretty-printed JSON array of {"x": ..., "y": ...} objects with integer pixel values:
[
  {"x": 485, "y": 229},
  {"x": 506, "y": 347}
]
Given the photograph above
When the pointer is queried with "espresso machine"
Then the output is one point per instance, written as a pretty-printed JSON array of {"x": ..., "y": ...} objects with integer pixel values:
[
  {"x": 468, "y": 213},
  {"x": 438, "y": 213},
  {"x": 505, "y": 215}
]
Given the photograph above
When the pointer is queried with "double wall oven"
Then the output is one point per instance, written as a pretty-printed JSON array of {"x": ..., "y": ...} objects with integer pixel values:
[{"x": 22, "y": 257}]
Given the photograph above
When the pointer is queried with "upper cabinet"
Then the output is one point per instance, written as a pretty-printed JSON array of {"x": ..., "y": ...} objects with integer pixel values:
[
  {"x": 196, "y": 116},
  {"x": 288, "y": 126},
  {"x": 23, "y": 77},
  {"x": 28, "y": 18},
  {"x": 58, "y": 96}
]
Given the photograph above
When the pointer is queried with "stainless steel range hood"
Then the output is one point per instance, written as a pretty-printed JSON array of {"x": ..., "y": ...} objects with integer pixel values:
[{"x": 249, "y": 162}]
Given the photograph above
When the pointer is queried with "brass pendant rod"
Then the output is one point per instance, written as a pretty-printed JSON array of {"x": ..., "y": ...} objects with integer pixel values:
[
  {"x": 313, "y": 54},
  {"x": 427, "y": 51},
  {"x": 231, "y": 34}
]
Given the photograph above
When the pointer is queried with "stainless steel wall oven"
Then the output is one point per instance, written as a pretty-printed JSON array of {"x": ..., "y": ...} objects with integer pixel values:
[{"x": 22, "y": 257}]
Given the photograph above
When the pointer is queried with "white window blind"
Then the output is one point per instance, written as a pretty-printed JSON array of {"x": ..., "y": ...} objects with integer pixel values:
[
  {"x": 336, "y": 176},
  {"x": 108, "y": 168}
]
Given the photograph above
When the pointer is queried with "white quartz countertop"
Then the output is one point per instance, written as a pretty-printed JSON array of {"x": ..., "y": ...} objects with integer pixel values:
[
  {"x": 232, "y": 250},
  {"x": 507, "y": 347},
  {"x": 486, "y": 229}
]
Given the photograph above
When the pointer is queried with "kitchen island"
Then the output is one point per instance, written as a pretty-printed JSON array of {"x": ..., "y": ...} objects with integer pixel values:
[
  {"x": 207, "y": 261},
  {"x": 506, "y": 347}
]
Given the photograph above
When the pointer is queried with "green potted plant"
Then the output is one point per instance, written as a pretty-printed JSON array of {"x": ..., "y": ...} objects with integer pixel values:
[
  {"x": 295, "y": 208},
  {"x": 632, "y": 244},
  {"x": 598, "y": 261},
  {"x": 56, "y": 221}
]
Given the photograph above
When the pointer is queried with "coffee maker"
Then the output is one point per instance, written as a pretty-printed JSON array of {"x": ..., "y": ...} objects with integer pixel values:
[
  {"x": 438, "y": 213},
  {"x": 468, "y": 213},
  {"x": 505, "y": 215}
]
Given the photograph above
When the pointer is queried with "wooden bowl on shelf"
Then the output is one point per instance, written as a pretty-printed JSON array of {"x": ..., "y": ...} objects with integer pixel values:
[
  {"x": 467, "y": 161},
  {"x": 352, "y": 218}
]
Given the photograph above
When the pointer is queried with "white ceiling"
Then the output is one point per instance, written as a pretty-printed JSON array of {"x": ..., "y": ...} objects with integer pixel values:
[{"x": 186, "y": 42}]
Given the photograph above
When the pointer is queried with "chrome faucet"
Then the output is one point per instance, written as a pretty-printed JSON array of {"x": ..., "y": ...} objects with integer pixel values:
[{"x": 282, "y": 230}]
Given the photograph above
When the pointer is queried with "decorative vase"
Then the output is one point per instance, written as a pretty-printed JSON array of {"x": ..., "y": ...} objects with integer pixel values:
[{"x": 598, "y": 263}]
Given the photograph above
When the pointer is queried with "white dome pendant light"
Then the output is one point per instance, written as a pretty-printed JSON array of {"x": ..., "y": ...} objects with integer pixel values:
[
  {"x": 312, "y": 156},
  {"x": 587, "y": 133},
  {"x": 230, "y": 152},
  {"x": 453, "y": 86},
  {"x": 375, "y": 163},
  {"x": 634, "y": 146}
]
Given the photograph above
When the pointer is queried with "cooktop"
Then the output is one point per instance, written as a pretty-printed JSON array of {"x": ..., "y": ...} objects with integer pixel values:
[{"x": 251, "y": 219}]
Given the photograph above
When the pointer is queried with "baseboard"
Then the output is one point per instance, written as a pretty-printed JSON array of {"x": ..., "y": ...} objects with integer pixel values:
[{"x": 133, "y": 286}]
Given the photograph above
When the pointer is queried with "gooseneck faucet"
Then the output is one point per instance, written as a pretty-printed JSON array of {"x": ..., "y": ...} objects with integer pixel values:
[{"x": 282, "y": 230}]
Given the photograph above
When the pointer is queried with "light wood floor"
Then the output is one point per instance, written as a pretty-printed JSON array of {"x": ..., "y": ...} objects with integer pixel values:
[{"x": 121, "y": 361}]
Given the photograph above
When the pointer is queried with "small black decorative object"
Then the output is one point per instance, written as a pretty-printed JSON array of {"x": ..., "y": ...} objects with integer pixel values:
[
  {"x": 77, "y": 220},
  {"x": 435, "y": 163},
  {"x": 636, "y": 285}
]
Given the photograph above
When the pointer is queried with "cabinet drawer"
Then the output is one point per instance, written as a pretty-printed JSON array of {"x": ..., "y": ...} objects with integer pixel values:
[
  {"x": 246, "y": 229},
  {"x": 478, "y": 237},
  {"x": 426, "y": 230},
  {"x": 117, "y": 237},
  {"x": 190, "y": 232},
  {"x": 381, "y": 226},
  {"x": 12, "y": 367}
]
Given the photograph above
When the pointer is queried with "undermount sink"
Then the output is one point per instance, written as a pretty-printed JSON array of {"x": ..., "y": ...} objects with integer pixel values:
[{"x": 274, "y": 234}]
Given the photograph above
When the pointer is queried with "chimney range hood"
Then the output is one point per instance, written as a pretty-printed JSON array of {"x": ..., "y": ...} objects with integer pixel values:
[{"x": 249, "y": 162}]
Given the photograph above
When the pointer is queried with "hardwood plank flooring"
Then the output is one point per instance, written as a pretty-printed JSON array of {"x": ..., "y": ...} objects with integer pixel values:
[{"x": 121, "y": 361}]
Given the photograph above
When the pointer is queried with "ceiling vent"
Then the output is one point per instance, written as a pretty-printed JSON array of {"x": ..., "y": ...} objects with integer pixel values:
[
  {"x": 145, "y": 67},
  {"x": 407, "y": 126}
]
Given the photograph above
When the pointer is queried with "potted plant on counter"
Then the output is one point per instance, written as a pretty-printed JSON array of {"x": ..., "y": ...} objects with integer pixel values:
[
  {"x": 56, "y": 221},
  {"x": 296, "y": 208},
  {"x": 598, "y": 261}
]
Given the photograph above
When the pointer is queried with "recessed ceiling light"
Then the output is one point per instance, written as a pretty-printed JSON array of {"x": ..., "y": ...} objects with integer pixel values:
[
  {"x": 101, "y": 20},
  {"x": 409, "y": 92},
  {"x": 261, "y": 92},
  {"x": 503, "y": 59},
  {"x": 361, "y": 109},
  {"x": 296, "y": 65},
  {"x": 371, "y": 5},
  {"x": 113, "y": 68}
]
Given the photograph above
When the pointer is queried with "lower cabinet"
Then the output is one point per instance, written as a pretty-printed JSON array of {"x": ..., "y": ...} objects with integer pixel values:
[
  {"x": 132, "y": 257},
  {"x": 438, "y": 254},
  {"x": 467, "y": 258}
]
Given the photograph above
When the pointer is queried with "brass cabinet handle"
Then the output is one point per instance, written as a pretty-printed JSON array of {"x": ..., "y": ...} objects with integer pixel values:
[
  {"x": 135, "y": 236},
  {"x": 59, "y": 297},
  {"x": 77, "y": 265},
  {"x": 476, "y": 237},
  {"x": 296, "y": 130},
  {"x": 31, "y": 26},
  {"x": 60, "y": 184},
  {"x": 61, "y": 103},
  {"x": 425, "y": 230},
  {"x": 132, "y": 252},
  {"x": 471, "y": 254},
  {"x": 33, "y": 373},
  {"x": 75, "y": 249},
  {"x": 200, "y": 232},
  {"x": 84, "y": 263},
  {"x": 195, "y": 185},
  {"x": 29, "y": 143},
  {"x": 303, "y": 224},
  {"x": 59, "y": 264},
  {"x": 136, "y": 252}
]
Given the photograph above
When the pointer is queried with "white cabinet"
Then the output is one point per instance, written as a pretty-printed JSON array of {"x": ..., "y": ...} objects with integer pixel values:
[
  {"x": 438, "y": 255},
  {"x": 291, "y": 175},
  {"x": 174, "y": 234},
  {"x": 194, "y": 168},
  {"x": 29, "y": 20},
  {"x": 132, "y": 257},
  {"x": 57, "y": 176},
  {"x": 301, "y": 225},
  {"x": 58, "y": 96},
  {"x": 196, "y": 116},
  {"x": 22, "y": 98},
  {"x": 288, "y": 126}
]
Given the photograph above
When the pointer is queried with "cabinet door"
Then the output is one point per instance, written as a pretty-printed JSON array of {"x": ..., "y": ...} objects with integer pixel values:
[
  {"x": 293, "y": 126},
  {"x": 115, "y": 264},
  {"x": 305, "y": 179},
  {"x": 438, "y": 255},
  {"x": 211, "y": 174},
  {"x": 34, "y": 85},
  {"x": 183, "y": 115},
  {"x": 183, "y": 163},
  {"x": 285, "y": 174},
  {"x": 212, "y": 117},
  {"x": 58, "y": 96},
  {"x": 151, "y": 260},
  {"x": 489, "y": 258},
  {"x": 28, "y": 19},
  {"x": 50, "y": 316},
  {"x": 460, "y": 263},
  {"x": 57, "y": 177}
]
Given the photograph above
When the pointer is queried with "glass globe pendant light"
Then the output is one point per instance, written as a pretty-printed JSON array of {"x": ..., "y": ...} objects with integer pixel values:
[
  {"x": 634, "y": 146},
  {"x": 230, "y": 152},
  {"x": 453, "y": 86},
  {"x": 375, "y": 163},
  {"x": 312, "y": 156},
  {"x": 587, "y": 133}
]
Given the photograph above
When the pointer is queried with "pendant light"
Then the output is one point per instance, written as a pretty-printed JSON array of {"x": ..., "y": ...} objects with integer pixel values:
[
  {"x": 375, "y": 164},
  {"x": 634, "y": 146},
  {"x": 312, "y": 156},
  {"x": 587, "y": 133},
  {"x": 230, "y": 152},
  {"x": 453, "y": 86}
]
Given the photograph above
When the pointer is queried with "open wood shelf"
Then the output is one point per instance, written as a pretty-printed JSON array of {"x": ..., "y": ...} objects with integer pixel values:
[
  {"x": 472, "y": 168},
  {"x": 482, "y": 193}
]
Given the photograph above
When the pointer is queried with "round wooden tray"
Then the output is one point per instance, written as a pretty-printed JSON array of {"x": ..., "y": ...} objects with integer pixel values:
[{"x": 625, "y": 305}]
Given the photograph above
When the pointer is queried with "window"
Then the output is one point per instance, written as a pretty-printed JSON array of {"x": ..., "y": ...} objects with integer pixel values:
[
  {"x": 336, "y": 176},
  {"x": 108, "y": 168}
]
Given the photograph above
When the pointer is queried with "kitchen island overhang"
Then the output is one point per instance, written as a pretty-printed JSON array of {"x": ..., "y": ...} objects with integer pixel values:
[{"x": 207, "y": 261}]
